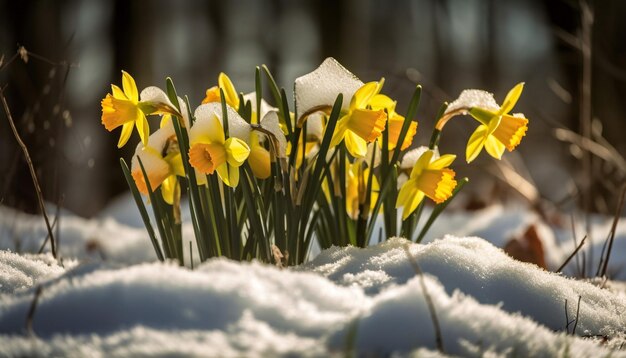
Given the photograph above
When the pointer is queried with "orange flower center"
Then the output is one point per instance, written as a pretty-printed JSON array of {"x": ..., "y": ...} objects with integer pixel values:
[
  {"x": 116, "y": 112},
  {"x": 511, "y": 130},
  {"x": 207, "y": 157},
  {"x": 437, "y": 184}
]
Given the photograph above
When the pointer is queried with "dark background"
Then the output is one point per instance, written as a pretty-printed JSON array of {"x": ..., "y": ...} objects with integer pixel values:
[{"x": 446, "y": 46}]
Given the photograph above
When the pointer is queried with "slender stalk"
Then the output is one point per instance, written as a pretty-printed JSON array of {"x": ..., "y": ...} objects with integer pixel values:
[{"x": 33, "y": 174}]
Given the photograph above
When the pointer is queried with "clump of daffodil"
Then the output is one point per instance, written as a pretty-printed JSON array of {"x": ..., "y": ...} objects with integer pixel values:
[
  {"x": 127, "y": 109},
  {"x": 210, "y": 150},
  {"x": 161, "y": 160},
  {"x": 429, "y": 177},
  {"x": 230, "y": 94},
  {"x": 360, "y": 125},
  {"x": 394, "y": 122},
  {"x": 357, "y": 179},
  {"x": 498, "y": 130}
]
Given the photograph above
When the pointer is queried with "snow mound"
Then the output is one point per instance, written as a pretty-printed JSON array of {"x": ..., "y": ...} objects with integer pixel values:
[
  {"x": 368, "y": 301},
  {"x": 18, "y": 272},
  {"x": 79, "y": 238}
]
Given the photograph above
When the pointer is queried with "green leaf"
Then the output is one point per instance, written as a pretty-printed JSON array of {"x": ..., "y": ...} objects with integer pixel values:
[
  {"x": 142, "y": 209},
  {"x": 415, "y": 100}
]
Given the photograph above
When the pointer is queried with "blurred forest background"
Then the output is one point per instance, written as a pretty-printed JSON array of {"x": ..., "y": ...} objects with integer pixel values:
[{"x": 572, "y": 56}]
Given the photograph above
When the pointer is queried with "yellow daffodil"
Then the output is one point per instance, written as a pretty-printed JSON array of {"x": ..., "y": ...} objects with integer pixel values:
[
  {"x": 357, "y": 179},
  {"x": 498, "y": 130},
  {"x": 259, "y": 159},
  {"x": 430, "y": 177},
  {"x": 394, "y": 122},
  {"x": 360, "y": 125},
  {"x": 230, "y": 94},
  {"x": 211, "y": 151},
  {"x": 162, "y": 161},
  {"x": 124, "y": 108}
]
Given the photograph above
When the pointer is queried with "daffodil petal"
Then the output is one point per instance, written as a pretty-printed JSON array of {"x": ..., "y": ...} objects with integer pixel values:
[
  {"x": 130, "y": 88},
  {"x": 224, "y": 82},
  {"x": 143, "y": 128},
  {"x": 340, "y": 131},
  {"x": 442, "y": 162},
  {"x": 237, "y": 151},
  {"x": 406, "y": 192},
  {"x": 494, "y": 147},
  {"x": 476, "y": 143},
  {"x": 168, "y": 189},
  {"x": 117, "y": 92},
  {"x": 363, "y": 95},
  {"x": 127, "y": 130},
  {"x": 357, "y": 146},
  {"x": 422, "y": 163},
  {"x": 228, "y": 174},
  {"x": 207, "y": 128},
  {"x": 259, "y": 160},
  {"x": 511, "y": 98}
]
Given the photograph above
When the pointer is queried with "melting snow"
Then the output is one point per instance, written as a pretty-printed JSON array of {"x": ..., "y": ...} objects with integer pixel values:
[{"x": 369, "y": 301}]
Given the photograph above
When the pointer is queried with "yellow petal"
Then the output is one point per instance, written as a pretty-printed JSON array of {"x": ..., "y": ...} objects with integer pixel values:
[
  {"x": 357, "y": 146},
  {"x": 143, "y": 128},
  {"x": 228, "y": 174},
  {"x": 212, "y": 95},
  {"x": 168, "y": 189},
  {"x": 422, "y": 163},
  {"x": 494, "y": 147},
  {"x": 407, "y": 190},
  {"x": 237, "y": 151},
  {"x": 442, "y": 162},
  {"x": 380, "y": 101},
  {"x": 511, "y": 98},
  {"x": 476, "y": 143},
  {"x": 340, "y": 131},
  {"x": 259, "y": 160},
  {"x": 118, "y": 93},
  {"x": 224, "y": 82},
  {"x": 130, "y": 88},
  {"x": 127, "y": 130},
  {"x": 165, "y": 120},
  {"x": 363, "y": 95}
]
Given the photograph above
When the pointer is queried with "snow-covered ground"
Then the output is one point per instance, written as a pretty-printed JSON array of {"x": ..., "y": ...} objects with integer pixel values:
[{"x": 109, "y": 297}]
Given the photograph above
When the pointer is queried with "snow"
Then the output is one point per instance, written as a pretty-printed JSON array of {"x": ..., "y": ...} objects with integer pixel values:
[
  {"x": 109, "y": 297},
  {"x": 473, "y": 98},
  {"x": 322, "y": 86}
]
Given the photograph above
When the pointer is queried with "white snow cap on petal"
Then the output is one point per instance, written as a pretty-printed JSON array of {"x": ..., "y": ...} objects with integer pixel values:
[
  {"x": 270, "y": 123},
  {"x": 474, "y": 98},
  {"x": 150, "y": 155},
  {"x": 265, "y": 107},
  {"x": 314, "y": 126},
  {"x": 237, "y": 126},
  {"x": 411, "y": 157},
  {"x": 155, "y": 94},
  {"x": 322, "y": 86}
]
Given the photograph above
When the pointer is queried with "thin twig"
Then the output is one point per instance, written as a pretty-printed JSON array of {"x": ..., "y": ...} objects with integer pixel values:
[
  {"x": 577, "y": 315},
  {"x": 572, "y": 255},
  {"x": 33, "y": 174},
  {"x": 31, "y": 312},
  {"x": 612, "y": 234},
  {"x": 429, "y": 301}
]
